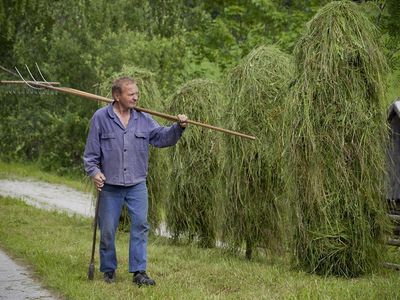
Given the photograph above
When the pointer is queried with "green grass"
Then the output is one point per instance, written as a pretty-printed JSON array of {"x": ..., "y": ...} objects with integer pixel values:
[
  {"x": 57, "y": 247},
  {"x": 335, "y": 140},
  {"x": 31, "y": 170}
]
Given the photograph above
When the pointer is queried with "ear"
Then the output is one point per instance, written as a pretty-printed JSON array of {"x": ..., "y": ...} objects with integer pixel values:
[{"x": 116, "y": 96}]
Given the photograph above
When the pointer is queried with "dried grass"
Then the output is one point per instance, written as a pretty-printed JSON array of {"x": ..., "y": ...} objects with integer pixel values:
[{"x": 336, "y": 143}]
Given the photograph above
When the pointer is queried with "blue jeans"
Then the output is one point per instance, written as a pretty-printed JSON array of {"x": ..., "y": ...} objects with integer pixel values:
[{"x": 112, "y": 198}]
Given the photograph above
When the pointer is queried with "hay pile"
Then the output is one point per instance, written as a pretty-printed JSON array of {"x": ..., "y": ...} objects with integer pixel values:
[
  {"x": 253, "y": 206},
  {"x": 191, "y": 208},
  {"x": 336, "y": 143},
  {"x": 149, "y": 97}
]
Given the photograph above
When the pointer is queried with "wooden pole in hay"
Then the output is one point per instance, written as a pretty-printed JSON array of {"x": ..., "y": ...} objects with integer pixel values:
[
  {"x": 192, "y": 204},
  {"x": 149, "y": 97},
  {"x": 253, "y": 206},
  {"x": 336, "y": 144}
]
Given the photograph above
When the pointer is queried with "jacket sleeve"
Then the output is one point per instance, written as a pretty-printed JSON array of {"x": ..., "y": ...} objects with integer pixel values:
[
  {"x": 92, "y": 153},
  {"x": 161, "y": 136}
]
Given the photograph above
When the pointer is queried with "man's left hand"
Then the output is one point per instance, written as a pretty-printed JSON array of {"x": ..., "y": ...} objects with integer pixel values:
[{"x": 182, "y": 121}]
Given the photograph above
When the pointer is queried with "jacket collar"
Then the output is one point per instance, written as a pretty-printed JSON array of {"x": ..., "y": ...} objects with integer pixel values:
[{"x": 112, "y": 114}]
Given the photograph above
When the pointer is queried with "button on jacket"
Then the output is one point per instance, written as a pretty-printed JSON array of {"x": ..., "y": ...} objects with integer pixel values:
[{"x": 120, "y": 153}]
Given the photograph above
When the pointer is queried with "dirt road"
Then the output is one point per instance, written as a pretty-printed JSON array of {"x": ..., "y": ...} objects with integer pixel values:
[{"x": 48, "y": 196}]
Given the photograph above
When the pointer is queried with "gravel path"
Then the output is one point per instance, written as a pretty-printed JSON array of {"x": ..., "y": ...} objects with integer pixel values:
[
  {"x": 48, "y": 196},
  {"x": 17, "y": 284}
]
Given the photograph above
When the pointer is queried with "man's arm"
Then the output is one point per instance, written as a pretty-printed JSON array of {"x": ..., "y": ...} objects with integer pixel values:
[
  {"x": 167, "y": 136},
  {"x": 91, "y": 156}
]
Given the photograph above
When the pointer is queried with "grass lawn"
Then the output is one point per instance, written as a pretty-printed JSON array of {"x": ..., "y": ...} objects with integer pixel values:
[{"x": 57, "y": 247}]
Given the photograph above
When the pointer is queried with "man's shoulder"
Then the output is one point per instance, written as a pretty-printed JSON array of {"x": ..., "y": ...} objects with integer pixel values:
[
  {"x": 101, "y": 112},
  {"x": 143, "y": 115}
]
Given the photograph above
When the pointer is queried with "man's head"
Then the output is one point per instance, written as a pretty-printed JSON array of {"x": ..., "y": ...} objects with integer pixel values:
[{"x": 125, "y": 92}]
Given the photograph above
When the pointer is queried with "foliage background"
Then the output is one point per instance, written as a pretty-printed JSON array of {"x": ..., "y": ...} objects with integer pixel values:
[{"x": 82, "y": 43}]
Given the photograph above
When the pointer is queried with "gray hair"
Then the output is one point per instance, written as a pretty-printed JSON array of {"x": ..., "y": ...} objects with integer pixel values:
[{"x": 119, "y": 83}]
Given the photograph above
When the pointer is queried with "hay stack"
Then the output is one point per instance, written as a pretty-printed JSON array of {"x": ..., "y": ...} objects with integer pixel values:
[
  {"x": 336, "y": 143},
  {"x": 191, "y": 209},
  {"x": 253, "y": 207}
]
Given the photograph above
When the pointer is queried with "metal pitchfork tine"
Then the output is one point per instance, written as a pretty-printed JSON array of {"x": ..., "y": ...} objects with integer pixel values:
[
  {"x": 23, "y": 79},
  {"x": 37, "y": 67},
  {"x": 44, "y": 81}
]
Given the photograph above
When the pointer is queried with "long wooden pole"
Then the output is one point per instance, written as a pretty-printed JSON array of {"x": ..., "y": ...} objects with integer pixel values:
[
  {"x": 30, "y": 82},
  {"x": 91, "y": 96}
]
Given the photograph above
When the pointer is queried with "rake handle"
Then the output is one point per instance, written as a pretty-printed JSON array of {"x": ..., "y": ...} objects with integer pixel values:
[
  {"x": 30, "y": 82},
  {"x": 154, "y": 113}
]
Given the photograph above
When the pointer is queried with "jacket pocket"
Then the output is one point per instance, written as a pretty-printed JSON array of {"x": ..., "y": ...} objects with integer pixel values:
[
  {"x": 141, "y": 141},
  {"x": 107, "y": 141}
]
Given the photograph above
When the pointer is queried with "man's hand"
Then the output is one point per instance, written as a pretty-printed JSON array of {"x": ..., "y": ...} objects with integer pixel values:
[
  {"x": 183, "y": 121},
  {"x": 99, "y": 180}
]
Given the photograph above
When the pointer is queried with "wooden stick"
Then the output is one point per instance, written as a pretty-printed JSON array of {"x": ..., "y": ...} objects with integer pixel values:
[
  {"x": 393, "y": 242},
  {"x": 392, "y": 266},
  {"x": 30, "y": 82},
  {"x": 395, "y": 218},
  {"x": 87, "y": 95}
]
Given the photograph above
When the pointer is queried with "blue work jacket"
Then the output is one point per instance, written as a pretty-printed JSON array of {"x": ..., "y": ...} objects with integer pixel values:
[{"x": 120, "y": 153}]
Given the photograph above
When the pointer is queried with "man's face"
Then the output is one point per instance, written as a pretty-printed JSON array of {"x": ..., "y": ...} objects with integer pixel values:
[{"x": 129, "y": 96}]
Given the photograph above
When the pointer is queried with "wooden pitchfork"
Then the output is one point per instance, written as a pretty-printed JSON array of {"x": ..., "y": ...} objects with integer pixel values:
[{"x": 43, "y": 84}]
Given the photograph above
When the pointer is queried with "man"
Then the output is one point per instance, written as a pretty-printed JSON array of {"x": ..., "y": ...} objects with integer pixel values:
[{"x": 116, "y": 157}]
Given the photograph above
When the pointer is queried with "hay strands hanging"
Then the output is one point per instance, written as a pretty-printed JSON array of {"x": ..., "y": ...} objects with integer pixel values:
[{"x": 43, "y": 84}]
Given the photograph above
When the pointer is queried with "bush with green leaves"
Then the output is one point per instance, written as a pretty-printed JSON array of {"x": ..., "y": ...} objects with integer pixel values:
[
  {"x": 29, "y": 131},
  {"x": 63, "y": 143}
]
